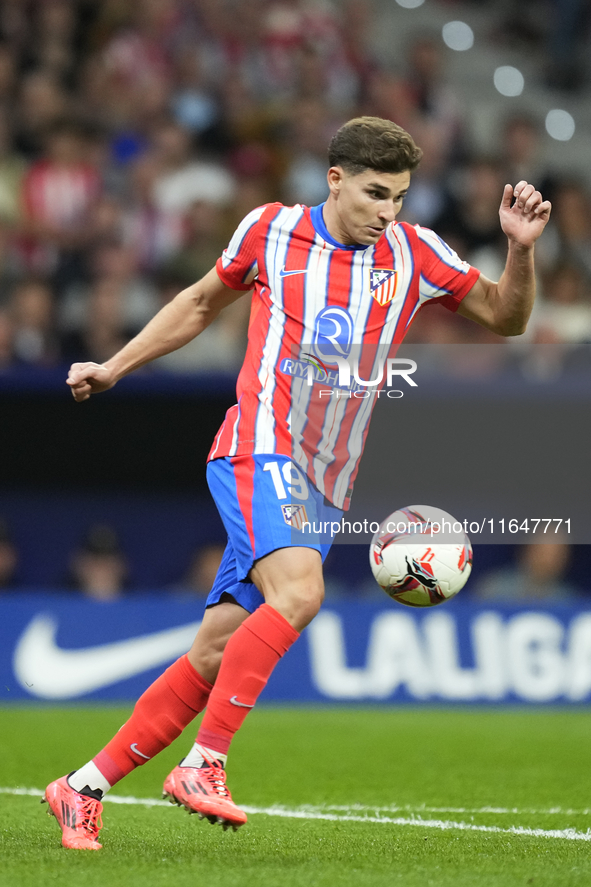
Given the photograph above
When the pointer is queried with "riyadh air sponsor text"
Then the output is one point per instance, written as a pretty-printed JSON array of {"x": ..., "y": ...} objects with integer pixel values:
[{"x": 345, "y": 377}]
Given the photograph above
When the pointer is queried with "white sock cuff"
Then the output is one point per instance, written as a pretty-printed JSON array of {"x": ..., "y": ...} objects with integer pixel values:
[
  {"x": 89, "y": 775},
  {"x": 198, "y": 754}
]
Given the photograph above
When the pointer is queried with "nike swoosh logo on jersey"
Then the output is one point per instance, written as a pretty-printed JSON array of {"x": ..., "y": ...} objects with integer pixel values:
[
  {"x": 285, "y": 273},
  {"x": 235, "y": 701},
  {"x": 136, "y": 751},
  {"x": 46, "y": 670}
]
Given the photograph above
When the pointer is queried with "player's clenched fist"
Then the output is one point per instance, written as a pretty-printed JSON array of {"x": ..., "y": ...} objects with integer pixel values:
[{"x": 85, "y": 379}]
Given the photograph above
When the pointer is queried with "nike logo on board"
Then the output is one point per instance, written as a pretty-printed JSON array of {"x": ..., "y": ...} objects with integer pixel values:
[
  {"x": 50, "y": 672},
  {"x": 235, "y": 701},
  {"x": 284, "y": 273}
]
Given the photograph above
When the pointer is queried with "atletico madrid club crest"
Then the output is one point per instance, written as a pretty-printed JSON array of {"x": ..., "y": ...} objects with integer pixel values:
[
  {"x": 295, "y": 516},
  {"x": 382, "y": 284}
]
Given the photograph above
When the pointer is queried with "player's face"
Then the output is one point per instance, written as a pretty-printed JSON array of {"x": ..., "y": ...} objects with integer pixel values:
[{"x": 361, "y": 207}]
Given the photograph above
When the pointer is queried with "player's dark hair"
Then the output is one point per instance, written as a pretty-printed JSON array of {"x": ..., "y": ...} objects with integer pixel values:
[{"x": 373, "y": 143}]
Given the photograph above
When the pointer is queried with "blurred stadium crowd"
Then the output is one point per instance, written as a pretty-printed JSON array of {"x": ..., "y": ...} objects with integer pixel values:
[
  {"x": 98, "y": 569},
  {"x": 135, "y": 134}
]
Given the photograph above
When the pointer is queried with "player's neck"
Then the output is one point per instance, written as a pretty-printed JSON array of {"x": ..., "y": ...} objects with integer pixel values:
[{"x": 333, "y": 223}]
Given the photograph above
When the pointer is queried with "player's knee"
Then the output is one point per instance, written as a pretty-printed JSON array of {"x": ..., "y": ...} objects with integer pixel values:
[
  {"x": 207, "y": 663},
  {"x": 306, "y": 603},
  {"x": 206, "y": 659},
  {"x": 218, "y": 625},
  {"x": 291, "y": 581}
]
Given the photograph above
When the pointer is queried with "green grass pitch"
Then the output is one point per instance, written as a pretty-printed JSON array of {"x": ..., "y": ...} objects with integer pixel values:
[{"x": 336, "y": 797}]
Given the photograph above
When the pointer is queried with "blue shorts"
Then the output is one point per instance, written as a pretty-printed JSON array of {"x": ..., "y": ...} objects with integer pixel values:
[{"x": 266, "y": 502}]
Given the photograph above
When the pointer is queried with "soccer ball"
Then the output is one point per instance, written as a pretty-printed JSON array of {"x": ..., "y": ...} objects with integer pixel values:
[{"x": 421, "y": 556}]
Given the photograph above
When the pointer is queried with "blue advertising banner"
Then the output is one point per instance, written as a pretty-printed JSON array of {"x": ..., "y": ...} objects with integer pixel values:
[{"x": 59, "y": 648}]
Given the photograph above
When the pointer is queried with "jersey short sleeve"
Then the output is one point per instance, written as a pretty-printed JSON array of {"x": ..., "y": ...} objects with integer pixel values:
[
  {"x": 239, "y": 260},
  {"x": 443, "y": 276}
]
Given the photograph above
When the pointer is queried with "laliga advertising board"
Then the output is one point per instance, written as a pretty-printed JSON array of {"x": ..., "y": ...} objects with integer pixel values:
[{"x": 351, "y": 652}]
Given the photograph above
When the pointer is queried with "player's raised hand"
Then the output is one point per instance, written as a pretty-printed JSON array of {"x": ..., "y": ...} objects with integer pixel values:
[
  {"x": 85, "y": 379},
  {"x": 523, "y": 213}
]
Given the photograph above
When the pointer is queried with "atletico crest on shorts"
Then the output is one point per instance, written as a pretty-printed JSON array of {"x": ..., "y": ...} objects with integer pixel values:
[
  {"x": 295, "y": 516},
  {"x": 382, "y": 284}
]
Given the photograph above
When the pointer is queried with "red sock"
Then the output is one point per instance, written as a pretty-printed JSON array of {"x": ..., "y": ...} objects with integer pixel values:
[
  {"x": 159, "y": 716},
  {"x": 250, "y": 656}
]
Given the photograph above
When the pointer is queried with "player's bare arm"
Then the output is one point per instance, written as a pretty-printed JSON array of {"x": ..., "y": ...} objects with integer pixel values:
[
  {"x": 505, "y": 307},
  {"x": 187, "y": 315}
]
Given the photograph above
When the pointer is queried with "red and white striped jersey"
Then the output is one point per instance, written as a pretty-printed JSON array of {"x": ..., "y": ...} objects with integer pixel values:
[{"x": 315, "y": 298}]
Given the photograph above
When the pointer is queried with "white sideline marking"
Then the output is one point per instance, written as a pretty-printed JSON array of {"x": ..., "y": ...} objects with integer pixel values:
[
  {"x": 422, "y": 808},
  {"x": 569, "y": 834},
  {"x": 348, "y": 808}
]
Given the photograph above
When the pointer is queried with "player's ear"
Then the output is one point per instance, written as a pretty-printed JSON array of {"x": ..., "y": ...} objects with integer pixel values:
[{"x": 335, "y": 177}]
